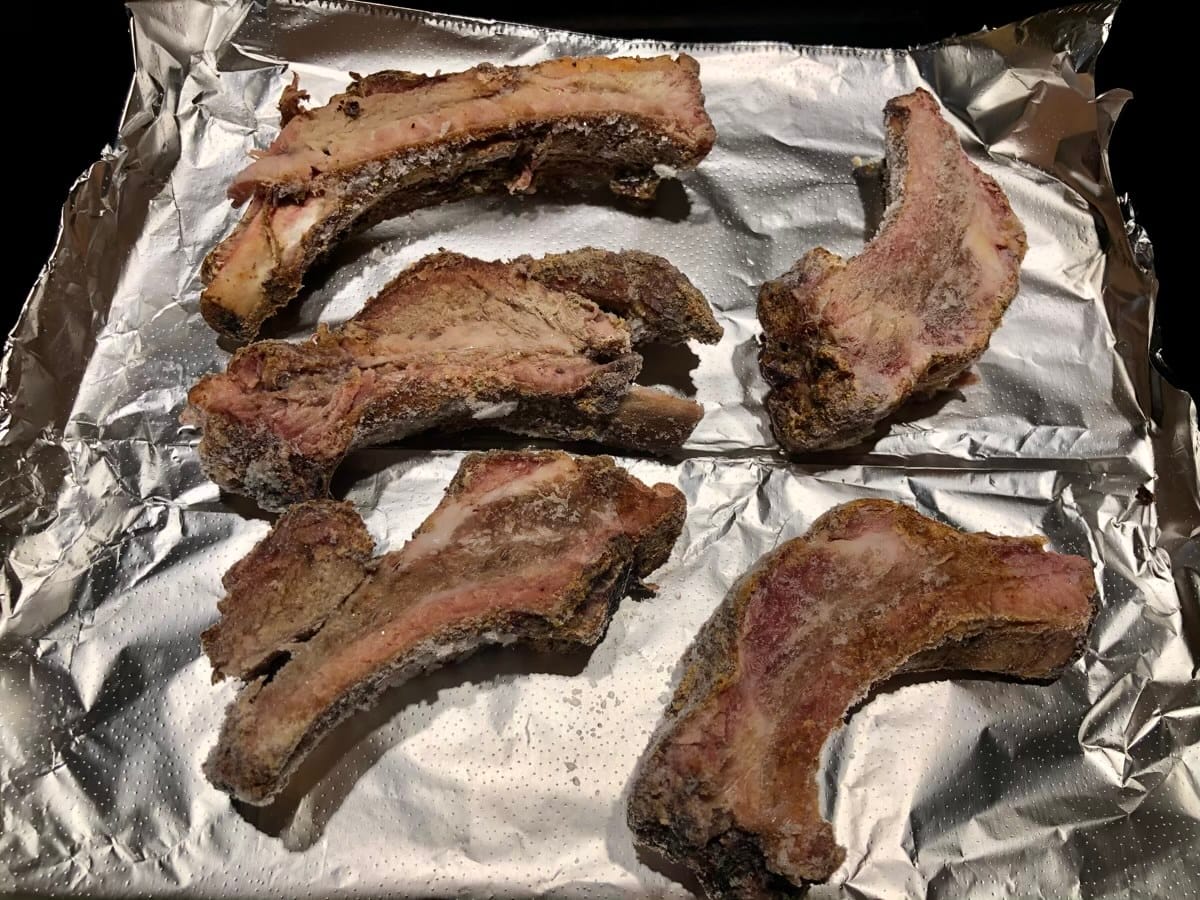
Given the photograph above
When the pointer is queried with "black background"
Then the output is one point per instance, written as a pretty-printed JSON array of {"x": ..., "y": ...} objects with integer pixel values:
[{"x": 91, "y": 44}]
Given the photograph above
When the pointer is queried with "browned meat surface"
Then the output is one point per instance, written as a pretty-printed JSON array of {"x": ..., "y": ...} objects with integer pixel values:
[
  {"x": 530, "y": 547},
  {"x": 846, "y": 342},
  {"x": 453, "y": 342},
  {"x": 655, "y": 298},
  {"x": 729, "y": 784},
  {"x": 310, "y": 562},
  {"x": 394, "y": 142}
]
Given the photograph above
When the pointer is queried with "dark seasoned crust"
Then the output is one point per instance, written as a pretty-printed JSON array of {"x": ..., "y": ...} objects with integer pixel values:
[
  {"x": 729, "y": 863},
  {"x": 451, "y": 343},
  {"x": 728, "y": 785},
  {"x": 573, "y": 144},
  {"x": 530, "y": 547},
  {"x": 316, "y": 554},
  {"x": 254, "y": 461},
  {"x": 658, "y": 300},
  {"x": 847, "y": 342},
  {"x": 645, "y": 421}
]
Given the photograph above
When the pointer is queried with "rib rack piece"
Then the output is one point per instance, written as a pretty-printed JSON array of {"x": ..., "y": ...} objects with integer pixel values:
[
  {"x": 846, "y": 343},
  {"x": 728, "y": 786},
  {"x": 284, "y": 590},
  {"x": 525, "y": 546},
  {"x": 452, "y": 343},
  {"x": 394, "y": 142},
  {"x": 655, "y": 299}
]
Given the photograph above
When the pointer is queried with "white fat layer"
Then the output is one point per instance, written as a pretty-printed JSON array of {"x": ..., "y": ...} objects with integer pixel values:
[
  {"x": 482, "y": 410},
  {"x": 291, "y": 231},
  {"x": 449, "y": 518},
  {"x": 981, "y": 239},
  {"x": 879, "y": 551}
]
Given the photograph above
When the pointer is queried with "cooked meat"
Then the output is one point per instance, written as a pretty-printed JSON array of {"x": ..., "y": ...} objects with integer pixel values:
[
  {"x": 657, "y": 299},
  {"x": 310, "y": 562},
  {"x": 645, "y": 420},
  {"x": 845, "y": 343},
  {"x": 453, "y": 342},
  {"x": 394, "y": 142},
  {"x": 530, "y": 547},
  {"x": 729, "y": 784}
]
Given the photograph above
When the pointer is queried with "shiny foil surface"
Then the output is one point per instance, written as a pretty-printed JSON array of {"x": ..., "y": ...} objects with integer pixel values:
[{"x": 507, "y": 775}]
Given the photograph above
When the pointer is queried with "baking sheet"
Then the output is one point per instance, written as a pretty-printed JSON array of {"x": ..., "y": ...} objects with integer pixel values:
[{"x": 506, "y": 775}]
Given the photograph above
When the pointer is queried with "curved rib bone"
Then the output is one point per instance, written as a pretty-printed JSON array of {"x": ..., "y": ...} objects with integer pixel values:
[
  {"x": 728, "y": 786},
  {"x": 394, "y": 142},
  {"x": 846, "y": 342},
  {"x": 531, "y": 547}
]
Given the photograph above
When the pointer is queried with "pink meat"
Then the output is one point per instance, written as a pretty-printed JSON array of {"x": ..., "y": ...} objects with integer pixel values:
[{"x": 873, "y": 588}]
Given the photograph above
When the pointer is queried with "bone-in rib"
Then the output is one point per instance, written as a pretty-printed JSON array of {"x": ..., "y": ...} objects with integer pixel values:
[
  {"x": 530, "y": 547},
  {"x": 394, "y": 142},
  {"x": 729, "y": 786},
  {"x": 847, "y": 342},
  {"x": 451, "y": 343}
]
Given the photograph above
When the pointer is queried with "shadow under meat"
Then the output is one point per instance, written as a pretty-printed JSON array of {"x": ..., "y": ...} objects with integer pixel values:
[
  {"x": 921, "y": 407},
  {"x": 670, "y": 201},
  {"x": 344, "y": 260},
  {"x": 668, "y": 364},
  {"x": 245, "y": 508},
  {"x": 871, "y": 179},
  {"x": 904, "y": 679},
  {"x": 301, "y": 314},
  {"x": 230, "y": 345},
  {"x": 318, "y": 788},
  {"x": 676, "y": 872},
  {"x": 754, "y": 386},
  {"x": 361, "y": 463}
]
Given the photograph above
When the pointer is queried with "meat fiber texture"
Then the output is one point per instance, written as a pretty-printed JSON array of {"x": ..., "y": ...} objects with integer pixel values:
[
  {"x": 846, "y": 343},
  {"x": 454, "y": 343},
  {"x": 729, "y": 784},
  {"x": 530, "y": 547},
  {"x": 507, "y": 775},
  {"x": 396, "y": 141}
]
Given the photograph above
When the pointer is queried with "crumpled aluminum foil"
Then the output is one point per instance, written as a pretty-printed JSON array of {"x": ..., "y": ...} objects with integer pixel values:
[{"x": 507, "y": 775}]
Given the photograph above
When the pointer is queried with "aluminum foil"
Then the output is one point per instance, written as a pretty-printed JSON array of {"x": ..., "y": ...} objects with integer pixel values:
[{"x": 507, "y": 775}]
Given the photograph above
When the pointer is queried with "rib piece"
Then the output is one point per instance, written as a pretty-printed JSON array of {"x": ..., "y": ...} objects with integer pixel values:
[
  {"x": 657, "y": 300},
  {"x": 728, "y": 786},
  {"x": 530, "y": 547},
  {"x": 310, "y": 562},
  {"x": 645, "y": 420},
  {"x": 394, "y": 142},
  {"x": 452, "y": 342},
  {"x": 845, "y": 343}
]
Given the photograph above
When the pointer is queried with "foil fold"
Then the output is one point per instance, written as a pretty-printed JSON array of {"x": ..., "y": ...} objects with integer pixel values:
[{"x": 507, "y": 774}]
